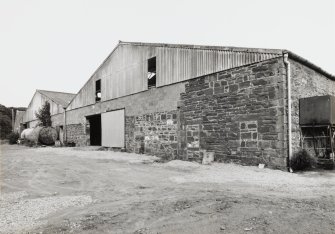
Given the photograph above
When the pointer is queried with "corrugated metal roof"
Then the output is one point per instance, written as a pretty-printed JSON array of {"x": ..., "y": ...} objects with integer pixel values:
[
  {"x": 205, "y": 47},
  {"x": 60, "y": 98}
]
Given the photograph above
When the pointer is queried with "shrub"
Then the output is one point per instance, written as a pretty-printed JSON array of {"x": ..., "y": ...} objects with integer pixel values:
[
  {"x": 13, "y": 137},
  {"x": 301, "y": 160},
  {"x": 48, "y": 136}
]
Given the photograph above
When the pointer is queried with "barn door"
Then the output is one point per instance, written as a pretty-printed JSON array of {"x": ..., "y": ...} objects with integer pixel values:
[{"x": 112, "y": 129}]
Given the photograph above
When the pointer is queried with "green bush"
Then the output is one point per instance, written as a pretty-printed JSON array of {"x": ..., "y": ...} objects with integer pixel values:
[
  {"x": 48, "y": 136},
  {"x": 13, "y": 137},
  {"x": 301, "y": 160}
]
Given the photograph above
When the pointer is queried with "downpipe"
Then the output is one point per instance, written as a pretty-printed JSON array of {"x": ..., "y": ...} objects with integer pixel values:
[
  {"x": 289, "y": 110},
  {"x": 65, "y": 127}
]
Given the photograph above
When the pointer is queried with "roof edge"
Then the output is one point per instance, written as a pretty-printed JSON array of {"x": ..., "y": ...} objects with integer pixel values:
[
  {"x": 308, "y": 64},
  {"x": 205, "y": 47},
  {"x": 95, "y": 71},
  {"x": 54, "y": 91},
  {"x": 51, "y": 98}
]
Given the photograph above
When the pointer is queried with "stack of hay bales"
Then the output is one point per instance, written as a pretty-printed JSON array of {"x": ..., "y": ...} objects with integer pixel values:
[{"x": 43, "y": 135}]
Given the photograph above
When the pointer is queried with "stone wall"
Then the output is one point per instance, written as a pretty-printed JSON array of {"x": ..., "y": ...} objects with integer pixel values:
[
  {"x": 153, "y": 133},
  {"x": 238, "y": 114},
  {"x": 77, "y": 134},
  {"x": 305, "y": 83}
]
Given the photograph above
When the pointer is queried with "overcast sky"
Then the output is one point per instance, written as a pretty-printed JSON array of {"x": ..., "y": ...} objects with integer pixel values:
[{"x": 58, "y": 44}]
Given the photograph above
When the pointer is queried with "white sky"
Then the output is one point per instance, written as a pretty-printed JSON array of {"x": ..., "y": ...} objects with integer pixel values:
[{"x": 57, "y": 45}]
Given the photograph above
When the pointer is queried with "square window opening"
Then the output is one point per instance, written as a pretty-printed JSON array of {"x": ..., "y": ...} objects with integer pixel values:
[{"x": 152, "y": 72}]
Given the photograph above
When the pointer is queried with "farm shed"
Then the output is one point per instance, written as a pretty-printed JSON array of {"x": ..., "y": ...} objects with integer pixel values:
[
  {"x": 178, "y": 101},
  {"x": 58, "y": 102}
]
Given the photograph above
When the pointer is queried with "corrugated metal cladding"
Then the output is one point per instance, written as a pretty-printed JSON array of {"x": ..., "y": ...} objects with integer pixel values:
[
  {"x": 36, "y": 103},
  {"x": 180, "y": 64},
  {"x": 124, "y": 72}
]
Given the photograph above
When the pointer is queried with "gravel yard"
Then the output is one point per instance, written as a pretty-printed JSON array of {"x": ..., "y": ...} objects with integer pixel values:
[{"x": 83, "y": 190}]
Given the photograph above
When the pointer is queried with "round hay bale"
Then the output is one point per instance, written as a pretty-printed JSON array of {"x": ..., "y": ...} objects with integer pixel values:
[
  {"x": 48, "y": 136},
  {"x": 26, "y": 132},
  {"x": 33, "y": 135}
]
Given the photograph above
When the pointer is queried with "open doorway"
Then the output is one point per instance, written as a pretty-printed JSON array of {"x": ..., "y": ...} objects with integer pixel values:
[{"x": 95, "y": 129}]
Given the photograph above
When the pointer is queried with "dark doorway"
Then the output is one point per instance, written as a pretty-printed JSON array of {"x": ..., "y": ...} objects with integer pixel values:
[{"x": 95, "y": 129}]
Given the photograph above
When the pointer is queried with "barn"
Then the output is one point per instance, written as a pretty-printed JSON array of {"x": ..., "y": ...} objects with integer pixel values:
[
  {"x": 183, "y": 101},
  {"x": 58, "y": 102}
]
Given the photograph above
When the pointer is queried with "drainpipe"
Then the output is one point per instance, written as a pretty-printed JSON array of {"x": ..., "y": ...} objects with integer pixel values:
[
  {"x": 289, "y": 111},
  {"x": 65, "y": 127}
]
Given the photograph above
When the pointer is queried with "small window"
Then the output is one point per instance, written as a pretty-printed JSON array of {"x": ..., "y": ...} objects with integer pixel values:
[
  {"x": 98, "y": 90},
  {"x": 152, "y": 72}
]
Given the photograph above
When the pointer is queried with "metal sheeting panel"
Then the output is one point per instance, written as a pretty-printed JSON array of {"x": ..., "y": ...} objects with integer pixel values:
[
  {"x": 113, "y": 129},
  {"x": 180, "y": 64},
  {"x": 124, "y": 72}
]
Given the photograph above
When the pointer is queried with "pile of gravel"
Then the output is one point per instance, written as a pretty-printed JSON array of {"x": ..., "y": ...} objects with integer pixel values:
[{"x": 21, "y": 213}]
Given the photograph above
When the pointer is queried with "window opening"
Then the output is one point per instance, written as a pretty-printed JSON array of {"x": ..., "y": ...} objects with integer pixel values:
[
  {"x": 98, "y": 90},
  {"x": 152, "y": 72}
]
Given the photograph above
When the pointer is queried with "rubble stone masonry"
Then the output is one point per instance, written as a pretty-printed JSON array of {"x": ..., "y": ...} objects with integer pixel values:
[
  {"x": 153, "y": 133},
  {"x": 238, "y": 114}
]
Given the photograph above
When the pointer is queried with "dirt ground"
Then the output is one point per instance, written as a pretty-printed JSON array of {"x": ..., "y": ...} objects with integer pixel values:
[{"x": 82, "y": 190}]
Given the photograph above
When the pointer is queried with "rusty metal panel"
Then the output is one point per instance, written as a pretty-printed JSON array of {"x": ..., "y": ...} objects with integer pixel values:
[
  {"x": 317, "y": 110},
  {"x": 113, "y": 129}
]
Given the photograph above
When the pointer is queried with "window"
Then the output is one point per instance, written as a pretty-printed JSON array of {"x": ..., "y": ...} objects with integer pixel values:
[
  {"x": 98, "y": 90},
  {"x": 152, "y": 72}
]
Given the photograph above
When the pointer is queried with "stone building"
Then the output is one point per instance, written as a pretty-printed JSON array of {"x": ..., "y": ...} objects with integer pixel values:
[{"x": 178, "y": 101}]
